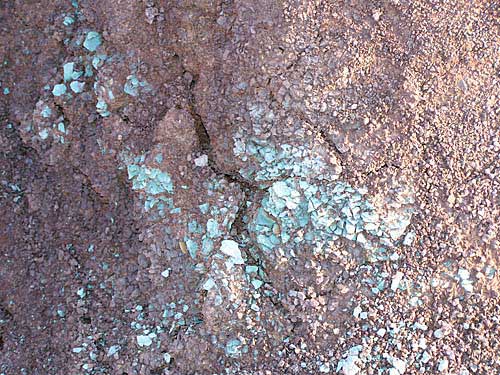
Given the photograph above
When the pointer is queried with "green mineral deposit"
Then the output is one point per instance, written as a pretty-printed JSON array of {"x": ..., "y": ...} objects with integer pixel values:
[
  {"x": 251, "y": 269},
  {"x": 59, "y": 89},
  {"x": 209, "y": 284},
  {"x": 98, "y": 60},
  {"x": 207, "y": 246},
  {"x": 257, "y": 283},
  {"x": 194, "y": 227},
  {"x": 113, "y": 350},
  {"x": 68, "y": 70},
  {"x": 77, "y": 87},
  {"x": 192, "y": 247},
  {"x": 204, "y": 208},
  {"x": 81, "y": 292},
  {"x": 46, "y": 112},
  {"x": 92, "y": 41},
  {"x": 166, "y": 273},
  {"x": 212, "y": 228},
  {"x": 102, "y": 108},
  {"x": 143, "y": 340},
  {"x": 68, "y": 20},
  {"x": 231, "y": 249},
  {"x": 43, "y": 134},
  {"x": 131, "y": 85}
]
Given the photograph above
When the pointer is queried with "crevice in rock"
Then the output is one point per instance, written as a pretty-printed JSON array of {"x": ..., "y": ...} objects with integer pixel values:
[
  {"x": 246, "y": 187},
  {"x": 201, "y": 130},
  {"x": 377, "y": 170},
  {"x": 251, "y": 192},
  {"x": 332, "y": 146}
]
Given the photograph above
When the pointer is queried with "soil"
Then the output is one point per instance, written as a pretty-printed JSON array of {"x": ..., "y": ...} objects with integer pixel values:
[{"x": 131, "y": 230}]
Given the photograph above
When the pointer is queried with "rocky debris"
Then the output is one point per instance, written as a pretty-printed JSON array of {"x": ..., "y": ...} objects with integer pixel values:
[{"x": 238, "y": 188}]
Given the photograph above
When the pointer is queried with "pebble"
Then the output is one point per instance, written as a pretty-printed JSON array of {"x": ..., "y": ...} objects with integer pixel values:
[
  {"x": 113, "y": 350},
  {"x": 231, "y": 248},
  {"x": 381, "y": 332},
  {"x": 399, "y": 365},
  {"x": 59, "y": 90},
  {"x": 166, "y": 273},
  {"x": 425, "y": 357},
  {"x": 144, "y": 340},
  {"x": 376, "y": 15},
  {"x": 324, "y": 368},
  {"x": 396, "y": 280},
  {"x": 201, "y": 161},
  {"x": 357, "y": 310},
  {"x": 209, "y": 284},
  {"x": 443, "y": 365},
  {"x": 438, "y": 333}
]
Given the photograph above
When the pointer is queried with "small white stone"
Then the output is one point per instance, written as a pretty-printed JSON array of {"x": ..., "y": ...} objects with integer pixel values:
[
  {"x": 376, "y": 15},
  {"x": 438, "y": 333},
  {"x": 324, "y": 368},
  {"x": 144, "y": 340},
  {"x": 231, "y": 248},
  {"x": 463, "y": 274},
  {"x": 425, "y": 357},
  {"x": 422, "y": 343},
  {"x": 113, "y": 350},
  {"x": 381, "y": 332},
  {"x": 348, "y": 366},
  {"x": 399, "y": 365},
  {"x": 414, "y": 301},
  {"x": 355, "y": 350},
  {"x": 467, "y": 285},
  {"x": 201, "y": 161},
  {"x": 361, "y": 238},
  {"x": 443, "y": 365},
  {"x": 209, "y": 284},
  {"x": 357, "y": 310},
  {"x": 166, "y": 273},
  {"x": 167, "y": 357},
  {"x": 394, "y": 257},
  {"x": 349, "y": 228},
  {"x": 409, "y": 238},
  {"x": 423, "y": 327},
  {"x": 396, "y": 280}
]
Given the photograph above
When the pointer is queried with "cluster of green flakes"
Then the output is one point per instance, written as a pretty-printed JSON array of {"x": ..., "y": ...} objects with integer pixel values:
[
  {"x": 154, "y": 185},
  {"x": 295, "y": 212},
  {"x": 157, "y": 191},
  {"x": 90, "y": 63},
  {"x": 280, "y": 161},
  {"x": 75, "y": 77},
  {"x": 303, "y": 207},
  {"x": 47, "y": 124}
]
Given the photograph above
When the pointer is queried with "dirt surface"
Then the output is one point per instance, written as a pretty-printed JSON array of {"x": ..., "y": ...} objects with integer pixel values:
[{"x": 249, "y": 187}]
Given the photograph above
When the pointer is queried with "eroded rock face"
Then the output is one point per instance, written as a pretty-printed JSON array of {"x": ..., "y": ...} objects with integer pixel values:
[{"x": 199, "y": 187}]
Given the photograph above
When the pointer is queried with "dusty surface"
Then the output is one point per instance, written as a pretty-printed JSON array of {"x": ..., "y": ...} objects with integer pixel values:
[{"x": 293, "y": 187}]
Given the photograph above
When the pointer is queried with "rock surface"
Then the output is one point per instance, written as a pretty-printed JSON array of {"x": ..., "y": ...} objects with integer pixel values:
[{"x": 249, "y": 187}]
